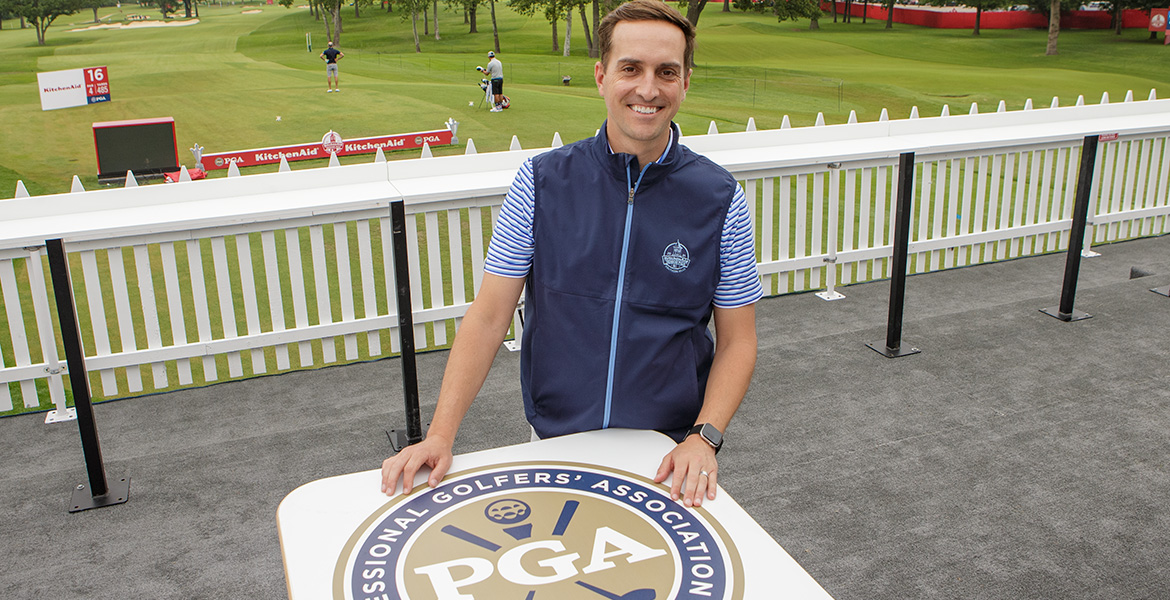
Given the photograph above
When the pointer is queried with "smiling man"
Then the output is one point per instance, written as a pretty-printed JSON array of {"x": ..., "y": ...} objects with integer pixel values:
[{"x": 629, "y": 244}]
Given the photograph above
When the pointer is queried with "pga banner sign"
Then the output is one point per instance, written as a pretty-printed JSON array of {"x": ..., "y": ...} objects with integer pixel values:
[
  {"x": 73, "y": 87},
  {"x": 539, "y": 530},
  {"x": 331, "y": 143}
]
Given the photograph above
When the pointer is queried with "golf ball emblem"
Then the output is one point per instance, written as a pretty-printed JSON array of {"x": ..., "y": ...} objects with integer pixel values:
[{"x": 537, "y": 531}]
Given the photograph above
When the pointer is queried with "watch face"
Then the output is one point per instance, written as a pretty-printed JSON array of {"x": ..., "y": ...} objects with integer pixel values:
[{"x": 712, "y": 435}]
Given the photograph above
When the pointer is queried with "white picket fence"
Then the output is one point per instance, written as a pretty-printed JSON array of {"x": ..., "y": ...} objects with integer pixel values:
[{"x": 193, "y": 283}]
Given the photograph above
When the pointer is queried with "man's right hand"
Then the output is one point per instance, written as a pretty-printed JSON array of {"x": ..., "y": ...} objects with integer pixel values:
[{"x": 434, "y": 452}]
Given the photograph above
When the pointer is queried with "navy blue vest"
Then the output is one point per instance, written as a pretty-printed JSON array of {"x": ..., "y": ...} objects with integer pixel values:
[{"x": 620, "y": 292}]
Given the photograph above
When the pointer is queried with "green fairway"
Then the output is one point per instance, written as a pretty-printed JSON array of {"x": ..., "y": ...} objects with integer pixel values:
[{"x": 227, "y": 78}]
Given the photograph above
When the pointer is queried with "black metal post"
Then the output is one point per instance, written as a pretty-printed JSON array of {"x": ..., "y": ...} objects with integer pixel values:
[
  {"x": 100, "y": 492},
  {"x": 413, "y": 434},
  {"x": 892, "y": 347},
  {"x": 1076, "y": 242}
]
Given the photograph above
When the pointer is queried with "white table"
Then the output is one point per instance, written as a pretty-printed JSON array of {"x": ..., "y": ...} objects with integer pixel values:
[{"x": 576, "y": 517}]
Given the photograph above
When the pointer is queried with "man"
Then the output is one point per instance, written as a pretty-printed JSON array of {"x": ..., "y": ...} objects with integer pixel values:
[
  {"x": 495, "y": 73},
  {"x": 628, "y": 243},
  {"x": 331, "y": 55}
]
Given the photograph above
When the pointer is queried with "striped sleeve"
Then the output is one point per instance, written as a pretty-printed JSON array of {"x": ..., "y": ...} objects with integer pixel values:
[
  {"x": 739, "y": 280},
  {"x": 511, "y": 247}
]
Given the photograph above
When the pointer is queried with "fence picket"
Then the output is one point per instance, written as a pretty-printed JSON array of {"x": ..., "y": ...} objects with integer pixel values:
[
  {"x": 175, "y": 307},
  {"x": 151, "y": 313},
  {"x": 250, "y": 301},
  {"x": 345, "y": 285},
  {"x": 199, "y": 295},
  {"x": 273, "y": 277}
]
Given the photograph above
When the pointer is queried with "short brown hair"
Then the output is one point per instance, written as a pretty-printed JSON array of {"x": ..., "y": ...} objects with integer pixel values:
[{"x": 646, "y": 10}]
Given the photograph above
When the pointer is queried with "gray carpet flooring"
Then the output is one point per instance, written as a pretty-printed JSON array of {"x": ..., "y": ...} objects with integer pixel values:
[{"x": 1015, "y": 457}]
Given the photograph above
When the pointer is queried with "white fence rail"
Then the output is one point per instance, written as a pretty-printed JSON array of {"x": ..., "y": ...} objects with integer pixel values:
[{"x": 192, "y": 283}]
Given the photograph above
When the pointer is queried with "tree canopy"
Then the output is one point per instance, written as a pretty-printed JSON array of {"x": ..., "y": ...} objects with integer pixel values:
[{"x": 42, "y": 13}]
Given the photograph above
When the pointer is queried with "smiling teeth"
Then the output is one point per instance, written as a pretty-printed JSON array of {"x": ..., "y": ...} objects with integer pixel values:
[{"x": 646, "y": 110}]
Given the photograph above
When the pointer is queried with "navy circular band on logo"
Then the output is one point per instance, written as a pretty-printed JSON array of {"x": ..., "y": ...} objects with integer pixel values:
[{"x": 702, "y": 560}]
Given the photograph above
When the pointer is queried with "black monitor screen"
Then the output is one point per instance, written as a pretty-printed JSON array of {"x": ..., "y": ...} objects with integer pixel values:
[{"x": 142, "y": 148}]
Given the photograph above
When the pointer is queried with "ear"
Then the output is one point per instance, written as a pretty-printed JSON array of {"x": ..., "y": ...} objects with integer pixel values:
[
  {"x": 599, "y": 75},
  {"x": 687, "y": 82}
]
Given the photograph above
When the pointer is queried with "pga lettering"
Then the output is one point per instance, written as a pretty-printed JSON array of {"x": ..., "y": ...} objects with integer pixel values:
[{"x": 558, "y": 566}]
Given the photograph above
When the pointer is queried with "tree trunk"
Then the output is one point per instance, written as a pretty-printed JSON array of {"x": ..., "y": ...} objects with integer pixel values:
[
  {"x": 1117, "y": 17},
  {"x": 414, "y": 29},
  {"x": 978, "y": 17},
  {"x": 864, "y": 10},
  {"x": 471, "y": 13},
  {"x": 813, "y": 24},
  {"x": 1053, "y": 27},
  {"x": 585, "y": 28},
  {"x": 556, "y": 46},
  {"x": 337, "y": 24},
  {"x": 596, "y": 20},
  {"x": 495, "y": 27},
  {"x": 436, "y": 8},
  {"x": 726, "y": 5},
  {"x": 356, "y": 13},
  {"x": 568, "y": 28},
  {"x": 890, "y": 14},
  {"x": 426, "y": 20},
  {"x": 694, "y": 8},
  {"x": 834, "y": 11}
]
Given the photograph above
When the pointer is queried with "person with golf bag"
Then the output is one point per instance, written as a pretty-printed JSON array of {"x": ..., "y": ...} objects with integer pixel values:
[{"x": 495, "y": 73}]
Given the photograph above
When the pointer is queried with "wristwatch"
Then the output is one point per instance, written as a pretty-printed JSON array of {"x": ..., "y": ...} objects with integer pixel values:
[{"x": 709, "y": 433}]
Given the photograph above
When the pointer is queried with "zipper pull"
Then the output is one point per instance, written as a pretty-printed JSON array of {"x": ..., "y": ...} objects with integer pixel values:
[{"x": 630, "y": 200}]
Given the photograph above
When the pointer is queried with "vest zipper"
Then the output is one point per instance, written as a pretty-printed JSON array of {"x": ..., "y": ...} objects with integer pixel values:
[{"x": 621, "y": 284}]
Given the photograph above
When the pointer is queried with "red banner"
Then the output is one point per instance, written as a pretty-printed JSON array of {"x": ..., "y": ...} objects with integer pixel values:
[
  {"x": 1158, "y": 19},
  {"x": 331, "y": 142}
]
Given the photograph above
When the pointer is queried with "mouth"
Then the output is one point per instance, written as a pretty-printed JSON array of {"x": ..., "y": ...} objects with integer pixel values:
[{"x": 645, "y": 110}]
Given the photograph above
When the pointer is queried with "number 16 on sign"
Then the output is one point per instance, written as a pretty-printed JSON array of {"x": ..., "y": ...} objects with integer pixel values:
[{"x": 97, "y": 84}]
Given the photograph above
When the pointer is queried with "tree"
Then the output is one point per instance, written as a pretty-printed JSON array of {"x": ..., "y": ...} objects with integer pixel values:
[
  {"x": 93, "y": 5},
  {"x": 495, "y": 27},
  {"x": 468, "y": 7},
  {"x": 166, "y": 7},
  {"x": 554, "y": 10},
  {"x": 889, "y": 4},
  {"x": 694, "y": 8},
  {"x": 1053, "y": 27},
  {"x": 42, "y": 13}
]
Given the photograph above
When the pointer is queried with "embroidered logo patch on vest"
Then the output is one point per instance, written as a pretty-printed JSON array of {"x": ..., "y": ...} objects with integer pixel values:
[
  {"x": 676, "y": 258},
  {"x": 539, "y": 530}
]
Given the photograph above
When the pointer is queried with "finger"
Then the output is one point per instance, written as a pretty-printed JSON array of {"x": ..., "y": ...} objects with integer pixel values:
[
  {"x": 439, "y": 470},
  {"x": 678, "y": 482},
  {"x": 663, "y": 469},
  {"x": 390, "y": 470},
  {"x": 696, "y": 484},
  {"x": 712, "y": 485},
  {"x": 408, "y": 473}
]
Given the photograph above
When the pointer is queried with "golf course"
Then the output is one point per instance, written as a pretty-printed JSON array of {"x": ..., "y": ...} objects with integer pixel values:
[{"x": 242, "y": 76}]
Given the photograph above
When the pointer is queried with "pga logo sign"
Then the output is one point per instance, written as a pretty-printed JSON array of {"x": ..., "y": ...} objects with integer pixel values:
[{"x": 539, "y": 531}]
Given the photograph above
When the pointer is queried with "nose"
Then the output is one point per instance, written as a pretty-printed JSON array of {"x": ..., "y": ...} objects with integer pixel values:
[{"x": 647, "y": 86}]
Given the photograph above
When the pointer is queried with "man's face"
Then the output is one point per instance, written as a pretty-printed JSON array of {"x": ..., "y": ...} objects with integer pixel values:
[{"x": 643, "y": 84}]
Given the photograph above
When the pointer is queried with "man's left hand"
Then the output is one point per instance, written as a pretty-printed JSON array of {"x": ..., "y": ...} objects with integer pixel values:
[{"x": 695, "y": 471}]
